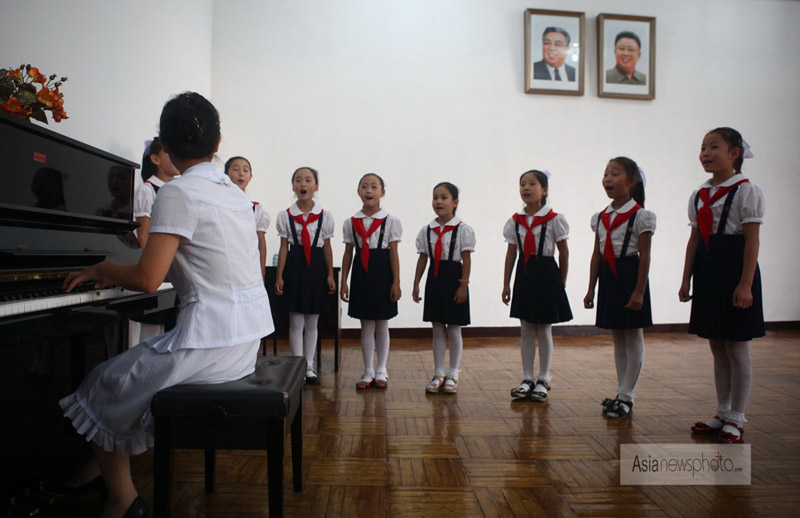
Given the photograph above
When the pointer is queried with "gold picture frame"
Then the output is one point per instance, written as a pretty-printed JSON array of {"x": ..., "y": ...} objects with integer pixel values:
[
  {"x": 554, "y": 52},
  {"x": 626, "y": 56}
]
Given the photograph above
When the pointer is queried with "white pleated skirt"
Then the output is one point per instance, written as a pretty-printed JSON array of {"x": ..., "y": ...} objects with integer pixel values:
[{"x": 111, "y": 407}]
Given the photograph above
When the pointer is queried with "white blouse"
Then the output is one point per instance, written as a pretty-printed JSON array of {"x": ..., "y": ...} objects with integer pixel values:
[
  {"x": 392, "y": 233},
  {"x": 262, "y": 217},
  {"x": 465, "y": 239},
  {"x": 557, "y": 230},
  {"x": 145, "y": 197},
  {"x": 284, "y": 230},
  {"x": 645, "y": 222},
  {"x": 747, "y": 207},
  {"x": 223, "y": 300}
]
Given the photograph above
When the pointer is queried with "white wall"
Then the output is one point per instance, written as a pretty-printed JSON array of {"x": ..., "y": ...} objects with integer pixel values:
[
  {"x": 422, "y": 91},
  {"x": 123, "y": 59},
  {"x": 428, "y": 90}
]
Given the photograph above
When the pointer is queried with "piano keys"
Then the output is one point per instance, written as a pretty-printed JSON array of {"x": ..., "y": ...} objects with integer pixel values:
[{"x": 82, "y": 296}]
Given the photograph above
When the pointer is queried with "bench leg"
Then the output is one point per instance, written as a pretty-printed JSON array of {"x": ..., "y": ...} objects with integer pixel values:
[
  {"x": 210, "y": 469},
  {"x": 162, "y": 469},
  {"x": 297, "y": 448},
  {"x": 275, "y": 440}
]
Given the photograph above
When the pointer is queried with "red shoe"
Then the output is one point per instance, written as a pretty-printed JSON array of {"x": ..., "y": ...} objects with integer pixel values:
[
  {"x": 703, "y": 429},
  {"x": 435, "y": 385},
  {"x": 366, "y": 381},
  {"x": 730, "y": 438},
  {"x": 381, "y": 380}
]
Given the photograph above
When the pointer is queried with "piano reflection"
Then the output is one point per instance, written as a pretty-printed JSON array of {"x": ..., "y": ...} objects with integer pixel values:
[{"x": 64, "y": 205}]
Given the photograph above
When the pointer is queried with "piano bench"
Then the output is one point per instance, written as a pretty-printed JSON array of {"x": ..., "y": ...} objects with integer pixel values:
[{"x": 253, "y": 413}]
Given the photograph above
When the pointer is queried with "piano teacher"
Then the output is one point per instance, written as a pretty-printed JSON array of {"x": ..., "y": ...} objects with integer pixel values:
[{"x": 224, "y": 307}]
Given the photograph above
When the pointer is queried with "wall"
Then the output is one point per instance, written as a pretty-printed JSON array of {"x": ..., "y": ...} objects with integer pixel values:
[
  {"x": 123, "y": 60},
  {"x": 422, "y": 91}
]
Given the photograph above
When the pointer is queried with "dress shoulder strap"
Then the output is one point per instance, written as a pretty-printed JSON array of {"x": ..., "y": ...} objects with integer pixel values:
[
  {"x": 453, "y": 236},
  {"x": 382, "y": 232},
  {"x": 726, "y": 210},
  {"x": 319, "y": 228},
  {"x": 540, "y": 250},
  {"x": 628, "y": 234},
  {"x": 291, "y": 226}
]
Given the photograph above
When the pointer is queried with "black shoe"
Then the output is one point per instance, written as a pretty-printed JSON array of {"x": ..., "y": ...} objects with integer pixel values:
[
  {"x": 138, "y": 509},
  {"x": 608, "y": 403},
  {"x": 312, "y": 380},
  {"x": 620, "y": 410},
  {"x": 540, "y": 396},
  {"x": 524, "y": 390}
]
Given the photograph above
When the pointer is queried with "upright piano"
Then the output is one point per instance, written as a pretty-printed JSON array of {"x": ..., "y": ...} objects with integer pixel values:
[{"x": 64, "y": 205}]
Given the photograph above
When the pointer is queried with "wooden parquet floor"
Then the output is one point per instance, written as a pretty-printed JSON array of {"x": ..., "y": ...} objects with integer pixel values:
[{"x": 403, "y": 453}]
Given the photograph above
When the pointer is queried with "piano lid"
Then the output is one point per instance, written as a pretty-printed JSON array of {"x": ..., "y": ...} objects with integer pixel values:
[{"x": 55, "y": 182}]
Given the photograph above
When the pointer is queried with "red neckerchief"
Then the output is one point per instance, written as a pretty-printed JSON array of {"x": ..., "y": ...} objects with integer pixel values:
[
  {"x": 529, "y": 245},
  {"x": 358, "y": 226},
  {"x": 608, "y": 250},
  {"x": 705, "y": 218},
  {"x": 304, "y": 234},
  {"x": 437, "y": 251}
]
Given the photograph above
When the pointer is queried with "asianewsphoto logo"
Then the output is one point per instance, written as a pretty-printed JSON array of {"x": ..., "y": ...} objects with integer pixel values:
[
  {"x": 685, "y": 464},
  {"x": 690, "y": 464}
]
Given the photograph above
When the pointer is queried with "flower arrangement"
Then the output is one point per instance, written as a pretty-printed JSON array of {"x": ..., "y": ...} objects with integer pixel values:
[{"x": 19, "y": 97}]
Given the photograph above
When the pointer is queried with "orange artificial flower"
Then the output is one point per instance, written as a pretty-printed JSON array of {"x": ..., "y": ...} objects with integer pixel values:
[
  {"x": 59, "y": 114},
  {"x": 58, "y": 108},
  {"x": 25, "y": 100},
  {"x": 16, "y": 108},
  {"x": 11, "y": 104},
  {"x": 37, "y": 76},
  {"x": 47, "y": 96}
]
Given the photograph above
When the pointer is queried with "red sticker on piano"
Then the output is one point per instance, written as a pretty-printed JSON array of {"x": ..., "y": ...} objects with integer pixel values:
[{"x": 39, "y": 157}]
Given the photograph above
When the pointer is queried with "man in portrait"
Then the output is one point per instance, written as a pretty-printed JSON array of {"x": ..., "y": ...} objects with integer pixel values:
[
  {"x": 555, "y": 45},
  {"x": 627, "y": 51}
]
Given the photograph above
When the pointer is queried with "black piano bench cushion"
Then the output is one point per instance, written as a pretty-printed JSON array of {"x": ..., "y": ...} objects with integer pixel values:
[{"x": 263, "y": 393}]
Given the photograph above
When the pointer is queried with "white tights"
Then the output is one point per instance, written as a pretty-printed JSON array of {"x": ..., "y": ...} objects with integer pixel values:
[
  {"x": 529, "y": 333},
  {"x": 303, "y": 336},
  {"x": 629, "y": 358},
  {"x": 375, "y": 335},
  {"x": 733, "y": 375},
  {"x": 440, "y": 333}
]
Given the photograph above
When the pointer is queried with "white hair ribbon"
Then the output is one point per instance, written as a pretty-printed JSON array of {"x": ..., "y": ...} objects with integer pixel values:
[
  {"x": 642, "y": 177},
  {"x": 748, "y": 153}
]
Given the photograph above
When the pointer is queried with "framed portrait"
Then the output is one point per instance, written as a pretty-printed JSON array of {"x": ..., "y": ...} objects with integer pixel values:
[
  {"x": 554, "y": 52},
  {"x": 626, "y": 56}
]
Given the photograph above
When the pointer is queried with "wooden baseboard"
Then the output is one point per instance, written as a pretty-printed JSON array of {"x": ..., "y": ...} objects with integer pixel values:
[{"x": 576, "y": 330}]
